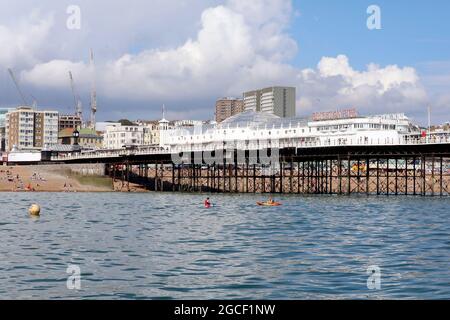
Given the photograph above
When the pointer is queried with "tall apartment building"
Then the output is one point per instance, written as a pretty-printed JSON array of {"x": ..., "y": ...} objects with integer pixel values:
[
  {"x": 279, "y": 101},
  {"x": 30, "y": 129},
  {"x": 227, "y": 107},
  {"x": 69, "y": 121}
]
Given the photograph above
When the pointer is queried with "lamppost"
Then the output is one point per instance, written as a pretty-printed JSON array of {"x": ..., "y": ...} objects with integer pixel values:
[{"x": 76, "y": 136}]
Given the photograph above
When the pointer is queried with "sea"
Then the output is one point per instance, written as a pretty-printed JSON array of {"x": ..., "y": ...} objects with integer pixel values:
[{"x": 168, "y": 246}]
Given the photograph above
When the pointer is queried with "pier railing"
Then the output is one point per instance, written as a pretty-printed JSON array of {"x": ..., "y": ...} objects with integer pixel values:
[{"x": 298, "y": 143}]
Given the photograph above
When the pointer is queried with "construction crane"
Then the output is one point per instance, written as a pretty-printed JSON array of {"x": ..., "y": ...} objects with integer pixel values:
[
  {"x": 16, "y": 83},
  {"x": 76, "y": 98},
  {"x": 34, "y": 104},
  {"x": 93, "y": 92}
]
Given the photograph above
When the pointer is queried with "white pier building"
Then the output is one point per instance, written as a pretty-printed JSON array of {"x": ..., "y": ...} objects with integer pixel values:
[{"x": 255, "y": 130}]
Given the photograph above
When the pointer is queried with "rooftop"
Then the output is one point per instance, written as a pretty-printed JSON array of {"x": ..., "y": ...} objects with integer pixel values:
[
  {"x": 84, "y": 133},
  {"x": 255, "y": 120}
]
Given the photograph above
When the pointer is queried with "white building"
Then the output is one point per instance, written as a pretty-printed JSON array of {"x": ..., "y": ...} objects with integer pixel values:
[
  {"x": 151, "y": 132},
  {"x": 279, "y": 101},
  {"x": 101, "y": 126},
  {"x": 31, "y": 129},
  {"x": 187, "y": 123},
  {"x": 255, "y": 130},
  {"x": 117, "y": 136},
  {"x": 3, "y": 112}
]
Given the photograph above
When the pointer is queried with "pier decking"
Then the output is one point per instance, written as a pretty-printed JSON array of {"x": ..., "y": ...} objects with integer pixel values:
[{"x": 412, "y": 168}]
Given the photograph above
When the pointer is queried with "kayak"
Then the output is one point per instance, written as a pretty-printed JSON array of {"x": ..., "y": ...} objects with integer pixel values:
[{"x": 266, "y": 204}]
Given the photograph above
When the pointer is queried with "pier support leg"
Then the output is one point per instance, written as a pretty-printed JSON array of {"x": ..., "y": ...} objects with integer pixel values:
[
  {"x": 349, "y": 181},
  {"x": 414, "y": 176},
  {"x": 433, "y": 178},
  {"x": 441, "y": 177}
]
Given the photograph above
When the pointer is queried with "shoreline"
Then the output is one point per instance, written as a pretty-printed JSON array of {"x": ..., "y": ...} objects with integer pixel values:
[{"x": 36, "y": 178}]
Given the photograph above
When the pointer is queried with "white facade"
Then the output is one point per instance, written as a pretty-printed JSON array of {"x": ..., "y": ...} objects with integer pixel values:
[
  {"x": 101, "y": 126},
  {"x": 251, "y": 101},
  {"x": 31, "y": 129},
  {"x": 24, "y": 157},
  {"x": 279, "y": 101},
  {"x": 117, "y": 136},
  {"x": 3, "y": 112},
  {"x": 187, "y": 123},
  {"x": 51, "y": 127},
  {"x": 251, "y": 130},
  {"x": 151, "y": 134}
]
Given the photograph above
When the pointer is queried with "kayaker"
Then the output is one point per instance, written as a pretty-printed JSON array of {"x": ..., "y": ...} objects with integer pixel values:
[
  {"x": 270, "y": 201},
  {"x": 207, "y": 203}
]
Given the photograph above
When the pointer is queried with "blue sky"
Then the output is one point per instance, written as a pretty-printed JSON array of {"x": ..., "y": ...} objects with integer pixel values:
[
  {"x": 186, "y": 54},
  {"x": 413, "y": 32}
]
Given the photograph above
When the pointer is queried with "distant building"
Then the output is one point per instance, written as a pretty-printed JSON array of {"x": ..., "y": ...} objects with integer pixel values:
[
  {"x": 185, "y": 123},
  {"x": 150, "y": 132},
  {"x": 31, "y": 129},
  {"x": 279, "y": 101},
  {"x": 252, "y": 101},
  {"x": 117, "y": 136},
  {"x": 101, "y": 126},
  {"x": 152, "y": 128},
  {"x": 227, "y": 107},
  {"x": 3, "y": 112},
  {"x": 2, "y": 139},
  {"x": 69, "y": 122},
  {"x": 88, "y": 139}
]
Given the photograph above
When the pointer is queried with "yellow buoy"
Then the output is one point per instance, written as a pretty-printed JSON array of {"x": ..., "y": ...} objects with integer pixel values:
[{"x": 34, "y": 210}]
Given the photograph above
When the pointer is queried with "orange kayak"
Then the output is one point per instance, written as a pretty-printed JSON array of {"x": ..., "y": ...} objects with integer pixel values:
[{"x": 266, "y": 204}]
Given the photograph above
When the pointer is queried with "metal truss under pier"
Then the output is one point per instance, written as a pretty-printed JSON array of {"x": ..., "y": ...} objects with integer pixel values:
[{"x": 381, "y": 170}]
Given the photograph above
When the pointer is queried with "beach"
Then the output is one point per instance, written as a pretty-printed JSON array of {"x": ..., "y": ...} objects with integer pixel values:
[{"x": 50, "y": 179}]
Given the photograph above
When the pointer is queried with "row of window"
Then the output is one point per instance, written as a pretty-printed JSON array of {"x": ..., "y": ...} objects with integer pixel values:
[{"x": 358, "y": 126}]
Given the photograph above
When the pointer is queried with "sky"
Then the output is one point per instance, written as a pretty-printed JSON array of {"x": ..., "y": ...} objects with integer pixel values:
[{"x": 185, "y": 54}]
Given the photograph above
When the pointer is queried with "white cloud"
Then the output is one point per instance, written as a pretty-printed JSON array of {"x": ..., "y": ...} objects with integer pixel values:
[
  {"x": 230, "y": 48},
  {"x": 239, "y": 45},
  {"x": 22, "y": 41},
  {"x": 335, "y": 84},
  {"x": 54, "y": 74}
]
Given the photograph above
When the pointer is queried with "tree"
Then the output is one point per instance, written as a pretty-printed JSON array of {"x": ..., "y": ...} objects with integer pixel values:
[{"x": 126, "y": 122}]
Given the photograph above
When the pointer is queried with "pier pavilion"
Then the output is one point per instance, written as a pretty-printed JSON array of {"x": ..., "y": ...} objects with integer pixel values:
[{"x": 384, "y": 154}]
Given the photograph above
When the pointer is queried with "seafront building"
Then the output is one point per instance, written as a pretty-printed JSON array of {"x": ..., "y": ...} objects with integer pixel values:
[
  {"x": 279, "y": 101},
  {"x": 28, "y": 129},
  {"x": 227, "y": 107},
  {"x": 2, "y": 139},
  {"x": 118, "y": 136},
  {"x": 259, "y": 130},
  {"x": 152, "y": 129},
  {"x": 101, "y": 126},
  {"x": 151, "y": 132},
  {"x": 88, "y": 138},
  {"x": 3, "y": 112}
]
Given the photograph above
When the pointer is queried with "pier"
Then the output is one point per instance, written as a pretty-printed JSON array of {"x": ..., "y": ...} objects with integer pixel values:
[{"x": 412, "y": 168}]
